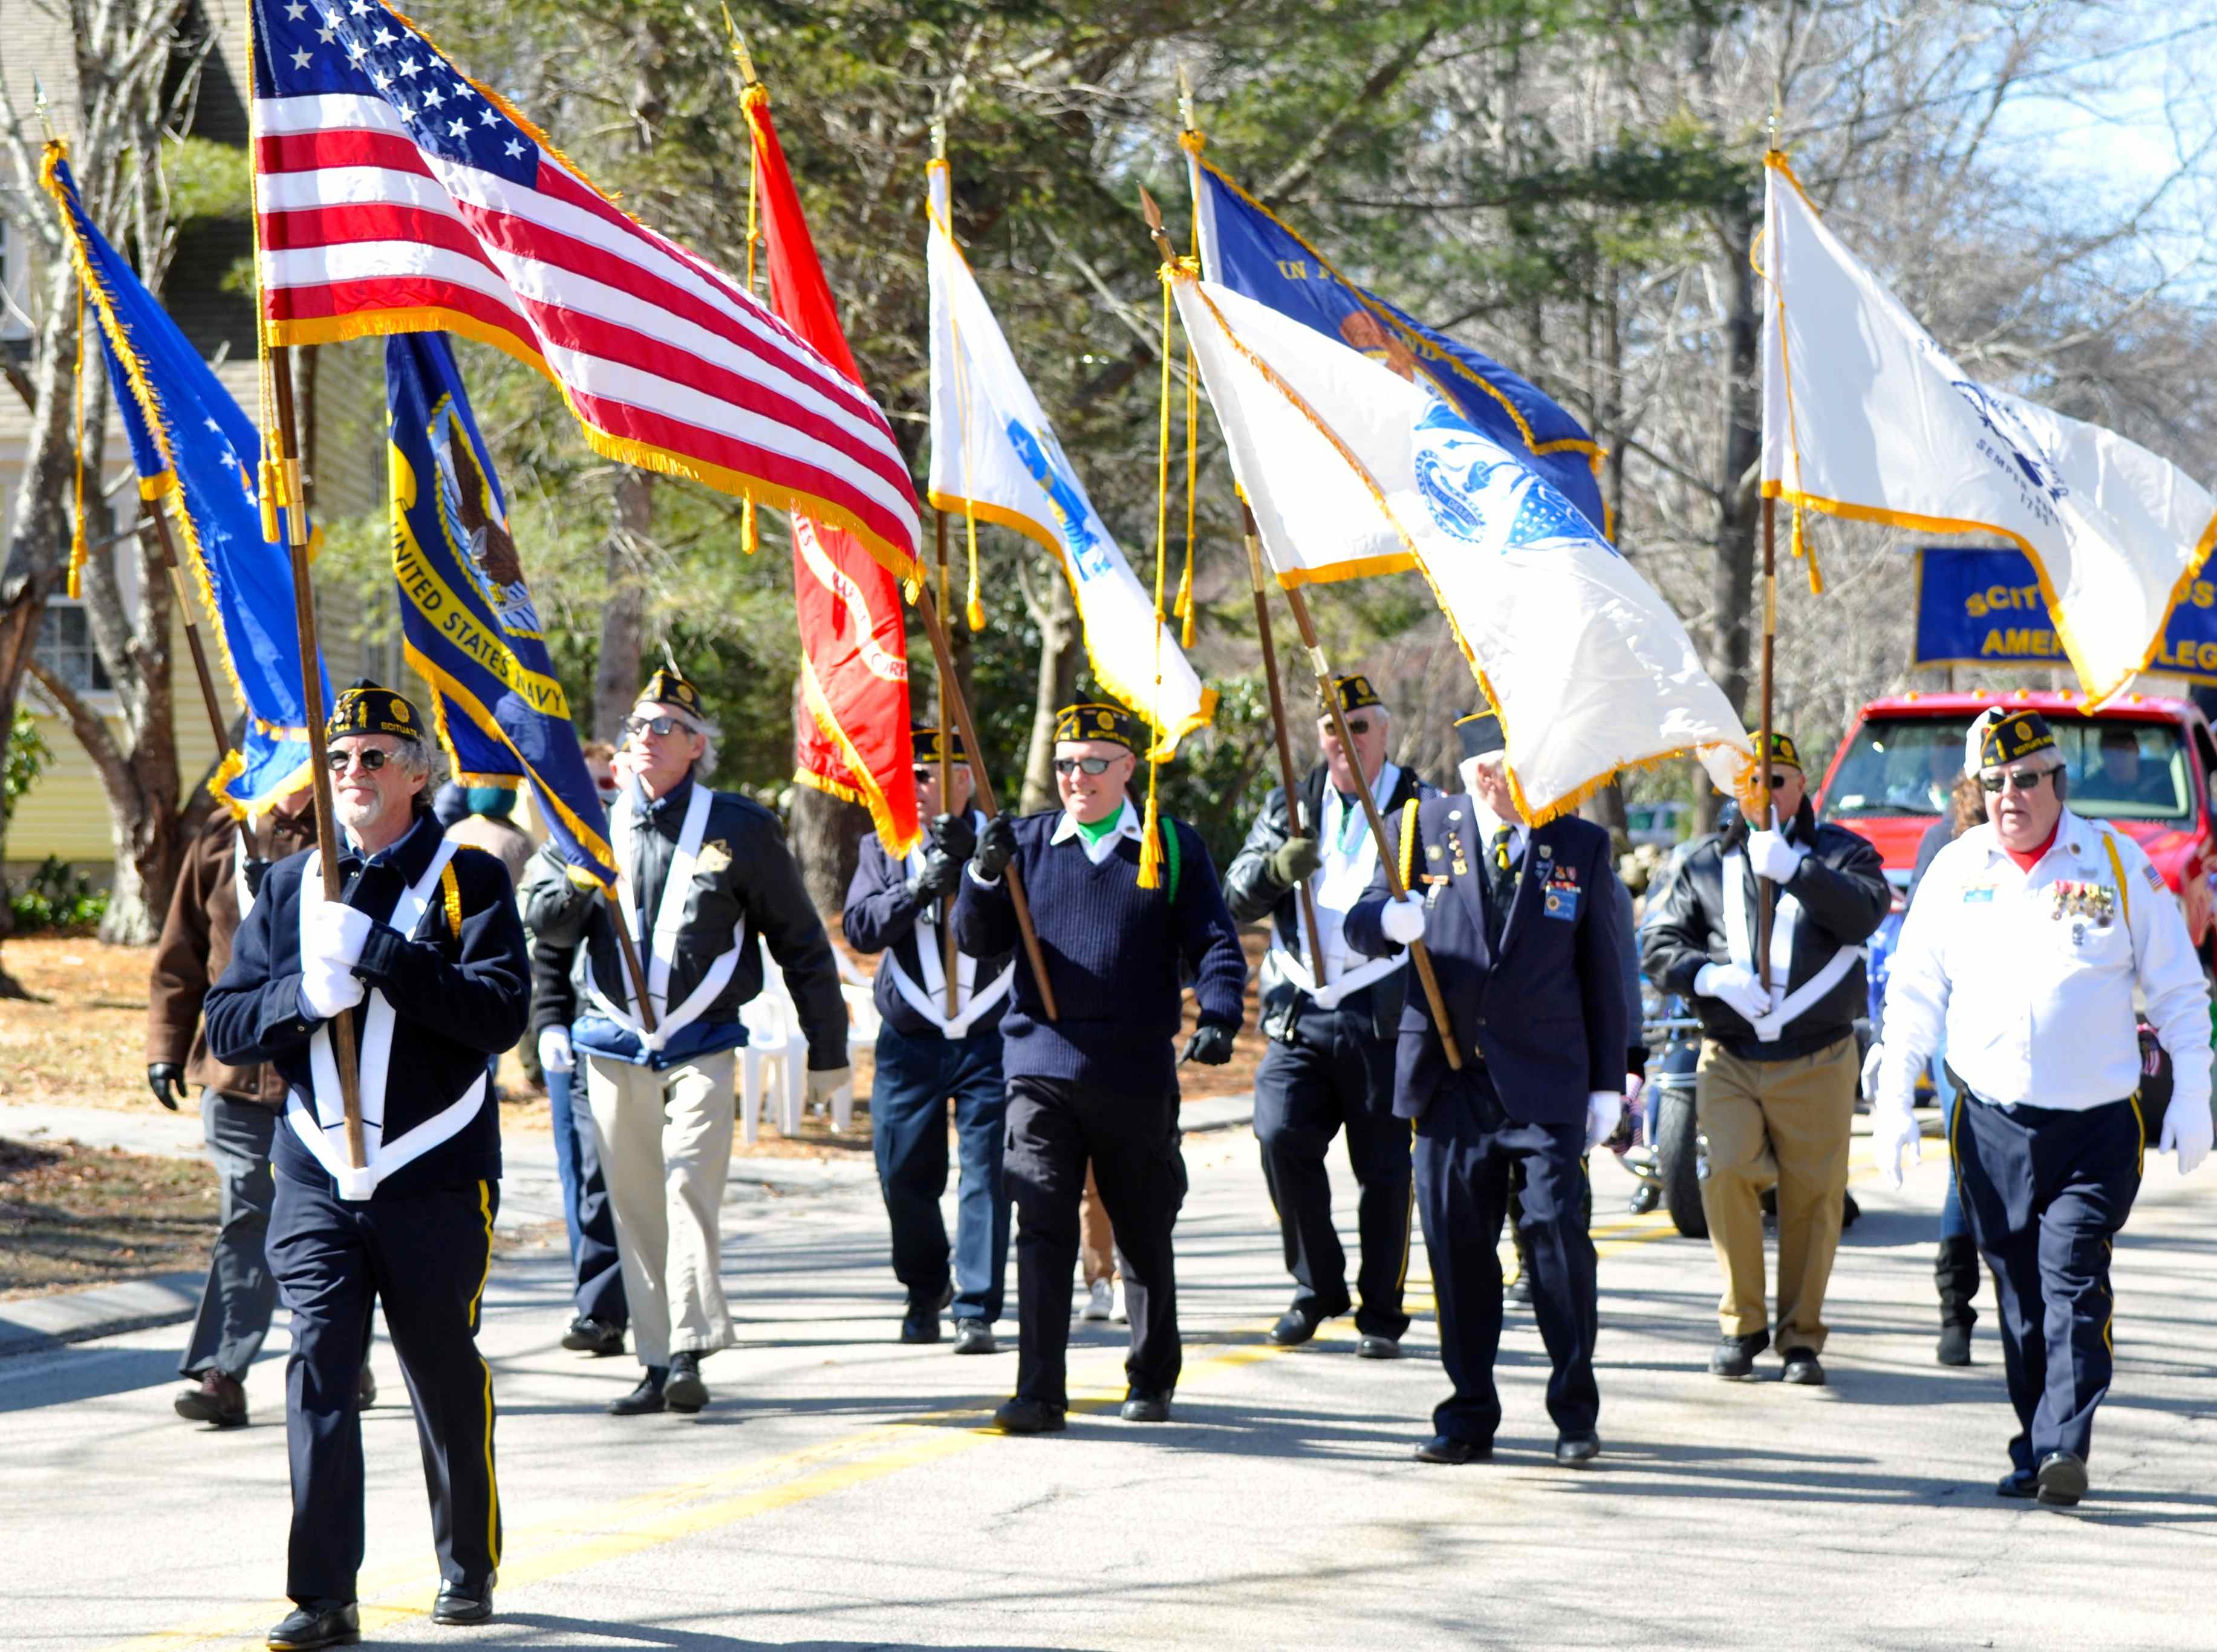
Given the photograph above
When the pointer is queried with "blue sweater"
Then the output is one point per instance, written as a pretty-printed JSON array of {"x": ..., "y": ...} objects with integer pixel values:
[{"x": 1115, "y": 954}]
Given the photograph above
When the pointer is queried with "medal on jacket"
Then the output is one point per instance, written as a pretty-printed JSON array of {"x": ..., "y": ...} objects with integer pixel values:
[{"x": 1454, "y": 851}]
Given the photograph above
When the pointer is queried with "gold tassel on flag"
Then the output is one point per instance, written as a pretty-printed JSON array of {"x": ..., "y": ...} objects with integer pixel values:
[
  {"x": 749, "y": 532},
  {"x": 974, "y": 610},
  {"x": 80, "y": 548},
  {"x": 1184, "y": 605}
]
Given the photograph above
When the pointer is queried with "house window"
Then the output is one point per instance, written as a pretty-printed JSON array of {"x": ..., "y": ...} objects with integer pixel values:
[{"x": 65, "y": 648}]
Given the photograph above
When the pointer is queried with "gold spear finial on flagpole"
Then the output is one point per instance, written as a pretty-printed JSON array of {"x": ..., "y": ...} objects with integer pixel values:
[
  {"x": 939, "y": 138},
  {"x": 739, "y": 48},
  {"x": 1153, "y": 214},
  {"x": 1185, "y": 99}
]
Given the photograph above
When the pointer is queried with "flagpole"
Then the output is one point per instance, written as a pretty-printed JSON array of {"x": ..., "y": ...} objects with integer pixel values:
[
  {"x": 934, "y": 628},
  {"x": 951, "y": 961},
  {"x": 1294, "y": 812},
  {"x": 633, "y": 967},
  {"x": 1762, "y": 886},
  {"x": 156, "y": 526}
]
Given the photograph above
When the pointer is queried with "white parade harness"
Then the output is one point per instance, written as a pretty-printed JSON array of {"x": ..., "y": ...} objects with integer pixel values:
[
  {"x": 927, "y": 998},
  {"x": 1341, "y": 881},
  {"x": 669, "y": 919},
  {"x": 1739, "y": 931}
]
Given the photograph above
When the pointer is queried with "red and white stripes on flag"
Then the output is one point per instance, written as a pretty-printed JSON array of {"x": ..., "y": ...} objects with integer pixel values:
[{"x": 393, "y": 194}]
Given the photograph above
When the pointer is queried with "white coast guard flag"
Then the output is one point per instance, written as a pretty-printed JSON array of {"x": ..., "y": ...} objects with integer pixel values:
[
  {"x": 1864, "y": 415},
  {"x": 994, "y": 456},
  {"x": 1590, "y": 671}
]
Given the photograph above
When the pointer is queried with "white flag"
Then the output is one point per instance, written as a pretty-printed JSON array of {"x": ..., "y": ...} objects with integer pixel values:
[
  {"x": 1590, "y": 671},
  {"x": 1864, "y": 415},
  {"x": 995, "y": 458}
]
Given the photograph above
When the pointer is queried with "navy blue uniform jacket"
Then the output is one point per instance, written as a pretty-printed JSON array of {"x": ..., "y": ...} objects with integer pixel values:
[
  {"x": 456, "y": 1000},
  {"x": 881, "y": 916},
  {"x": 1548, "y": 1015}
]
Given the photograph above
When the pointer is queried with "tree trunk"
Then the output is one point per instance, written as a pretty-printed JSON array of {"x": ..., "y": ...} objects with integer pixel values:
[
  {"x": 616, "y": 676},
  {"x": 1739, "y": 503},
  {"x": 1606, "y": 809},
  {"x": 825, "y": 832},
  {"x": 1061, "y": 647}
]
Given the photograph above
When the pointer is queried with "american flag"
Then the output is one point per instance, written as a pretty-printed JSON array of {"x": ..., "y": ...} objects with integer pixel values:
[{"x": 394, "y": 195}]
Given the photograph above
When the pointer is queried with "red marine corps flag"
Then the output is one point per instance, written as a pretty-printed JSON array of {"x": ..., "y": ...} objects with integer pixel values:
[{"x": 853, "y": 640}]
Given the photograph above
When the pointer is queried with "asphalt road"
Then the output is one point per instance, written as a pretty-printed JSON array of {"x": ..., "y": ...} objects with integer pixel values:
[{"x": 840, "y": 1491}]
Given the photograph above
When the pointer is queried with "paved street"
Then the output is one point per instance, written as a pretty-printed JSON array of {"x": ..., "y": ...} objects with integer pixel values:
[{"x": 841, "y": 1493}]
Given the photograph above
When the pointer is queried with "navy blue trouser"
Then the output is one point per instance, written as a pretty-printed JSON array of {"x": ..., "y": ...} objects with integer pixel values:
[
  {"x": 916, "y": 1079},
  {"x": 594, "y": 1265},
  {"x": 1337, "y": 1076},
  {"x": 1467, "y": 1147},
  {"x": 426, "y": 1257},
  {"x": 2046, "y": 1192}
]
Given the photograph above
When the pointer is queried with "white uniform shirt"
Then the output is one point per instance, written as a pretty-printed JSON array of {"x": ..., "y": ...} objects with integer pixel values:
[
  {"x": 1128, "y": 823},
  {"x": 2031, "y": 974},
  {"x": 1348, "y": 858}
]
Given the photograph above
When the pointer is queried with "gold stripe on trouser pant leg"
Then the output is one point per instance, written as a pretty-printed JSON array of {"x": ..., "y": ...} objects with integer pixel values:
[{"x": 477, "y": 1304}]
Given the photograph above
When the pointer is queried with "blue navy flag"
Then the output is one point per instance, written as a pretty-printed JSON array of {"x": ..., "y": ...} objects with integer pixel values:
[
  {"x": 1246, "y": 247},
  {"x": 191, "y": 443},
  {"x": 467, "y": 615}
]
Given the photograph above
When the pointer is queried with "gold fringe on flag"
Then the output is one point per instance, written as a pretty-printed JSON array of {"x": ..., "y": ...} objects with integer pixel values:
[
  {"x": 1150, "y": 837},
  {"x": 1184, "y": 605}
]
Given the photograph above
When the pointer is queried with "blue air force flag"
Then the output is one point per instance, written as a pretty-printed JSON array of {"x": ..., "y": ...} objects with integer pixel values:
[
  {"x": 191, "y": 445},
  {"x": 1341, "y": 457},
  {"x": 1246, "y": 247},
  {"x": 466, "y": 616}
]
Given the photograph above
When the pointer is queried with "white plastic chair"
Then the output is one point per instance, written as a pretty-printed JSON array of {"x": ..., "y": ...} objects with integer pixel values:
[
  {"x": 776, "y": 1053},
  {"x": 862, "y": 1022}
]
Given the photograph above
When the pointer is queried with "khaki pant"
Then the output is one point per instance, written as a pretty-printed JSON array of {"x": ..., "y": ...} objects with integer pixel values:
[
  {"x": 1788, "y": 1122},
  {"x": 665, "y": 1142},
  {"x": 1096, "y": 1240}
]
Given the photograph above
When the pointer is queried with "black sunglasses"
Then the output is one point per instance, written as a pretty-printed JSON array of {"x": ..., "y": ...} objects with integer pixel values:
[
  {"x": 1355, "y": 725},
  {"x": 1090, "y": 765},
  {"x": 927, "y": 773},
  {"x": 373, "y": 760},
  {"x": 653, "y": 725},
  {"x": 2019, "y": 779}
]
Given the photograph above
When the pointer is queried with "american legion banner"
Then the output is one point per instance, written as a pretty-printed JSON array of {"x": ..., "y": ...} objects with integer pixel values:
[{"x": 1983, "y": 606}]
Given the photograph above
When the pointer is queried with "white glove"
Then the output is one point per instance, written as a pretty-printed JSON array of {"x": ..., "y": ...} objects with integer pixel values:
[
  {"x": 334, "y": 933},
  {"x": 2187, "y": 1129},
  {"x": 1604, "y": 1111},
  {"x": 1773, "y": 857},
  {"x": 825, "y": 1082},
  {"x": 1735, "y": 988},
  {"x": 1403, "y": 920},
  {"x": 1872, "y": 1063},
  {"x": 1894, "y": 1129},
  {"x": 329, "y": 988},
  {"x": 555, "y": 1054}
]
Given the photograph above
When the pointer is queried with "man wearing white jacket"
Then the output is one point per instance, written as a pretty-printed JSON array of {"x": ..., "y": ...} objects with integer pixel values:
[{"x": 2022, "y": 951}]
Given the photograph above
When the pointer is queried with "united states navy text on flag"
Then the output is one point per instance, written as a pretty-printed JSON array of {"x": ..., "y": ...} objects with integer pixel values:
[
  {"x": 194, "y": 449},
  {"x": 394, "y": 195},
  {"x": 466, "y": 612}
]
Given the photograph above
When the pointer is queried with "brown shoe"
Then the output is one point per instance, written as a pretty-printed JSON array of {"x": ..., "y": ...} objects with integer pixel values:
[{"x": 219, "y": 1400}]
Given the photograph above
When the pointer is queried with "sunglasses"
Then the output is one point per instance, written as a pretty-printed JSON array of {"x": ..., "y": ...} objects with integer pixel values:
[
  {"x": 1090, "y": 765},
  {"x": 642, "y": 725},
  {"x": 2019, "y": 779},
  {"x": 372, "y": 759},
  {"x": 1355, "y": 725},
  {"x": 928, "y": 773},
  {"x": 1778, "y": 778}
]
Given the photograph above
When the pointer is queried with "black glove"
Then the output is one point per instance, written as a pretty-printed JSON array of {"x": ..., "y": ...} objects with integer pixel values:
[
  {"x": 996, "y": 846},
  {"x": 954, "y": 834},
  {"x": 256, "y": 870},
  {"x": 163, "y": 1076},
  {"x": 1294, "y": 859},
  {"x": 1210, "y": 1044},
  {"x": 935, "y": 877}
]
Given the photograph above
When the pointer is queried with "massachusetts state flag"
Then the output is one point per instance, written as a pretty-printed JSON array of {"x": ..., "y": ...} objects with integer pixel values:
[
  {"x": 467, "y": 615},
  {"x": 397, "y": 195},
  {"x": 193, "y": 447}
]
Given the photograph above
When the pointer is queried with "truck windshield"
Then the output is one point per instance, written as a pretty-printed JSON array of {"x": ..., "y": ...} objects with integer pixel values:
[{"x": 2119, "y": 770}]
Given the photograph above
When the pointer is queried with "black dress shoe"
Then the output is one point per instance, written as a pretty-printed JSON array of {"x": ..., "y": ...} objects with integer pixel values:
[
  {"x": 1028, "y": 1417},
  {"x": 2017, "y": 1482},
  {"x": 1294, "y": 1326},
  {"x": 1445, "y": 1448},
  {"x": 1955, "y": 1345},
  {"x": 2062, "y": 1479},
  {"x": 1801, "y": 1367},
  {"x": 921, "y": 1322},
  {"x": 685, "y": 1392},
  {"x": 219, "y": 1400},
  {"x": 1576, "y": 1452},
  {"x": 1378, "y": 1348},
  {"x": 973, "y": 1336},
  {"x": 1146, "y": 1408},
  {"x": 595, "y": 1336},
  {"x": 644, "y": 1400},
  {"x": 311, "y": 1626},
  {"x": 462, "y": 1603},
  {"x": 1733, "y": 1358},
  {"x": 1645, "y": 1198}
]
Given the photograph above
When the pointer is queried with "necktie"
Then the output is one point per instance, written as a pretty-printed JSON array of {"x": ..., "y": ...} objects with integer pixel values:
[{"x": 1503, "y": 877}]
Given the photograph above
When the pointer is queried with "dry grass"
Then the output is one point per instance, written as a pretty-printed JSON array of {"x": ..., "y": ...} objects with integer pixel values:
[
  {"x": 73, "y": 1216},
  {"x": 82, "y": 1042}
]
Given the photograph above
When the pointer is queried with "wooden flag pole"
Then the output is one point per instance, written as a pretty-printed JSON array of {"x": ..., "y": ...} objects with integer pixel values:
[
  {"x": 1293, "y": 812},
  {"x": 1762, "y": 886},
  {"x": 287, "y": 472},
  {"x": 633, "y": 967},
  {"x": 155, "y": 526},
  {"x": 943, "y": 653},
  {"x": 950, "y": 954},
  {"x": 1419, "y": 958}
]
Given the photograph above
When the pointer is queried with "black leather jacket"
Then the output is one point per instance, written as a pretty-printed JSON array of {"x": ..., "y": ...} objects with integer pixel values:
[
  {"x": 1843, "y": 894},
  {"x": 1252, "y": 893}
]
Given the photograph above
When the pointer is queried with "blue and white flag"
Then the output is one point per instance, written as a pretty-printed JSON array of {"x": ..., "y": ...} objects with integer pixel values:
[
  {"x": 190, "y": 443},
  {"x": 1246, "y": 247},
  {"x": 466, "y": 616},
  {"x": 1343, "y": 458}
]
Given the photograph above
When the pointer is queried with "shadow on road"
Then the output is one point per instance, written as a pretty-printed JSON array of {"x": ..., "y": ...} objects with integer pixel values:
[{"x": 558, "y": 1633}]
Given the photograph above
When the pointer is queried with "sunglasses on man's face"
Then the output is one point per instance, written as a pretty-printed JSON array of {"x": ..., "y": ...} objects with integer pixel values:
[
  {"x": 928, "y": 773},
  {"x": 1356, "y": 725},
  {"x": 373, "y": 760},
  {"x": 2018, "y": 780},
  {"x": 1090, "y": 765},
  {"x": 636, "y": 726},
  {"x": 1779, "y": 777}
]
